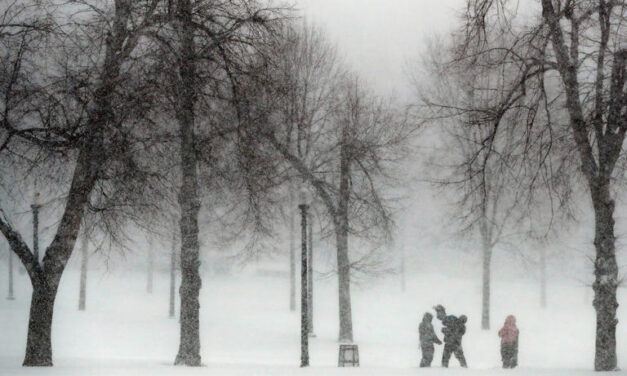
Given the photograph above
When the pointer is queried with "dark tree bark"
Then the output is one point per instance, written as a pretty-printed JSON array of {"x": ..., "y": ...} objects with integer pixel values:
[
  {"x": 82, "y": 295},
  {"x": 39, "y": 340},
  {"x": 346, "y": 317},
  {"x": 189, "y": 201},
  {"x": 606, "y": 279},
  {"x": 343, "y": 262},
  {"x": 35, "y": 207}
]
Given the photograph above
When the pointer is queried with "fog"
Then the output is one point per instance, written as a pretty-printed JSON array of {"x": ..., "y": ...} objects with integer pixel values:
[{"x": 410, "y": 236}]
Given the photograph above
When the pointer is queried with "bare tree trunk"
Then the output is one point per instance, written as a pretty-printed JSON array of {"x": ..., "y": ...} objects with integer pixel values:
[
  {"x": 292, "y": 204},
  {"x": 606, "y": 279},
  {"x": 38, "y": 342},
  {"x": 346, "y": 318},
  {"x": 150, "y": 267},
  {"x": 343, "y": 261},
  {"x": 310, "y": 327},
  {"x": 485, "y": 296},
  {"x": 189, "y": 348},
  {"x": 82, "y": 295},
  {"x": 543, "y": 277},
  {"x": 172, "y": 275},
  {"x": 10, "y": 295}
]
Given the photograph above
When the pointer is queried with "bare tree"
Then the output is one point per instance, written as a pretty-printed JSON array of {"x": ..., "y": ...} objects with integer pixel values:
[
  {"x": 33, "y": 115},
  {"x": 306, "y": 71},
  {"x": 349, "y": 144},
  {"x": 570, "y": 62},
  {"x": 208, "y": 43}
]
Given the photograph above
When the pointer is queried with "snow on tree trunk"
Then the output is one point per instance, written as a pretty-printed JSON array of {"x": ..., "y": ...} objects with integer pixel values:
[
  {"x": 82, "y": 295},
  {"x": 606, "y": 279},
  {"x": 189, "y": 348}
]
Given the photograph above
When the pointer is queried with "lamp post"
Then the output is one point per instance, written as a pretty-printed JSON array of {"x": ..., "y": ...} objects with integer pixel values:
[
  {"x": 35, "y": 206},
  {"x": 310, "y": 328},
  {"x": 304, "y": 322}
]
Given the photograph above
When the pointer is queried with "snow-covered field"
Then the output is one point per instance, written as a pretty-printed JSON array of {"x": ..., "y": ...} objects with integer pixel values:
[{"x": 247, "y": 328}]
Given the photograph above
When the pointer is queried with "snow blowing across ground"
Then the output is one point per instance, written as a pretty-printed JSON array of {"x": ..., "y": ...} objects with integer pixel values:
[{"x": 247, "y": 328}]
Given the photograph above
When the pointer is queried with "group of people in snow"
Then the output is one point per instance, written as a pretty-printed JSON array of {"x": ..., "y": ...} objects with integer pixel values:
[{"x": 453, "y": 329}]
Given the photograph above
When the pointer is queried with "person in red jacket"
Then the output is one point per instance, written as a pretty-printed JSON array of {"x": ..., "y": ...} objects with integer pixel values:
[{"x": 509, "y": 342}]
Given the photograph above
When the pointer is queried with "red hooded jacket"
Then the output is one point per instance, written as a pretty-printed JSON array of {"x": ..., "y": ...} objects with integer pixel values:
[{"x": 509, "y": 331}]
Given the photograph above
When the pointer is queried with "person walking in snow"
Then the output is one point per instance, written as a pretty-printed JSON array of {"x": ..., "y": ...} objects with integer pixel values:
[
  {"x": 427, "y": 339},
  {"x": 509, "y": 342},
  {"x": 453, "y": 329}
]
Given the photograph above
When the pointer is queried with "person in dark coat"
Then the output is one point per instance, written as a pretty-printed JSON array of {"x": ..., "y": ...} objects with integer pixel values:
[
  {"x": 509, "y": 342},
  {"x": 427, "y": 339},
  {"x": 453, "y": 329}
]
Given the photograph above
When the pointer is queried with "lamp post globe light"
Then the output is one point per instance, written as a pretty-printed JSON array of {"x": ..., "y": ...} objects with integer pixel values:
[{"x": 303, "y": 205}]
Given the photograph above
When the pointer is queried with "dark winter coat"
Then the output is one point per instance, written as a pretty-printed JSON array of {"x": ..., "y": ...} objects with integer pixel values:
[
  {"x": 426, "y": 332},
  {"x": 453, "y": 328}
]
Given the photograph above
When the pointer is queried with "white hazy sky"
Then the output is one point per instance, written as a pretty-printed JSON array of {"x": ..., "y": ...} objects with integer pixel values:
[{"x": 377, "y": 38}]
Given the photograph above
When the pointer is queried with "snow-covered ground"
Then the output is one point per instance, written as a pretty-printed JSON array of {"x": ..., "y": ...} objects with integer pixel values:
[{"x": 247, "y": 328}]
